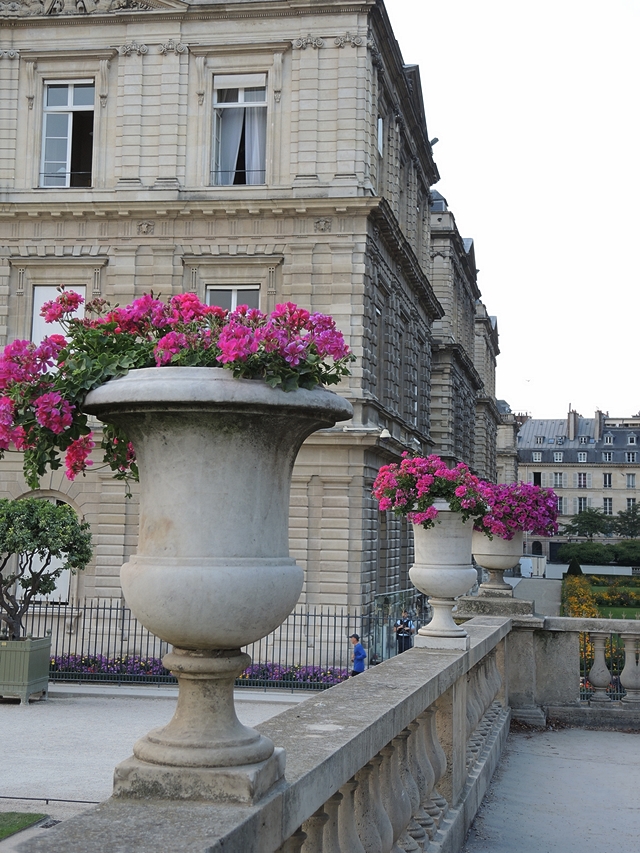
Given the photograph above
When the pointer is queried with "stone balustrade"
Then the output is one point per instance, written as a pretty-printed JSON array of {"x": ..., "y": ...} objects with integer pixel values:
[
  {"x": 397, "y": 759},
  {"x": 544, "y": 671}
]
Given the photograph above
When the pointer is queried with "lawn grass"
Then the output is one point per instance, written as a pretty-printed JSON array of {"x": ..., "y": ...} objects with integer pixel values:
[
  {"x": 11, "y": 822},
  {"x": 608, "y": 612}
]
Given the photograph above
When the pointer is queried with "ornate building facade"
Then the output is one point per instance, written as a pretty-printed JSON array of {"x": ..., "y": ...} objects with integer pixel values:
[{"x": 254, "y": 152}]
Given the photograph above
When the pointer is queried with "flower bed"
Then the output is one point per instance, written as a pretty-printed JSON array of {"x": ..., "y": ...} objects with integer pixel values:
[{"x": 132, "y": 668}]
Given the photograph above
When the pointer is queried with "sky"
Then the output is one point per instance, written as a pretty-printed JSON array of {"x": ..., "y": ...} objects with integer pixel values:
[{"x": 536, "y": 108}]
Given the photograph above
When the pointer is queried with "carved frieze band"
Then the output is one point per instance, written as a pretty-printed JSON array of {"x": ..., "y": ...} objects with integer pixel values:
[
  {"x": 133, "y": 47},
  {"x": 315, "y": 41},
  {"x": 9, "y": 54},
  {"x": 29, "y": 8}
]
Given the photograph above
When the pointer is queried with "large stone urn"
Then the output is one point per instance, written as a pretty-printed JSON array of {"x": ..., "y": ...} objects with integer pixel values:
[
  {"x": 496, "y": 556},
  {"x": 443, "y": 570},
  {"x": 212, "y": 572}
]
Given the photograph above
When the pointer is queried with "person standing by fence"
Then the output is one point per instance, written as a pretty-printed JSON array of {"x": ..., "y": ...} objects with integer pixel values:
[
  {"x": 358, "y": 656},
  {"x": 404, "y": 630}
]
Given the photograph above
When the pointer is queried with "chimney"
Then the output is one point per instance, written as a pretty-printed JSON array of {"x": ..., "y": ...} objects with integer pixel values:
[
  {"x": 572, "y": 424},
  {"x": 599, "y": 425}
]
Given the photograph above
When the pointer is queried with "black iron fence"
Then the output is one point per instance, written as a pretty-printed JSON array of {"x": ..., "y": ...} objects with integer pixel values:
[{"x": 103, "y": 641}]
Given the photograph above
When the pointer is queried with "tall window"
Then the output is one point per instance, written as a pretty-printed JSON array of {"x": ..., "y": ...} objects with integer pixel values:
[
  {"x": 608, "y": 439},
  {"x": 584, "y": 439},
  {"x": 582, "y": 504},
  {"x": 631, "y": 439},
  {"x": 630, "y": 457},
  {"x": 631, "y": 502},
  {"x": 631, "y": 481},
  {"x": 582, "y": 457},
  {"x": 557, "y": 456},
  {"x": 606, "y": 481},
  {"x": 67, "y": 144},
  {"x": 582, "y": 481},
  {"x": 607, "y": 506},
  {"x": 607, "y": 456},
  {"x": 539, "y": 439},
  {"x": 230, "y": 297},
  {"x": 239, "y": 129},
  {"x": 557, "y": 480},
  {"x": 561, "y": 505},
  {"x": 536, "y": 456}
]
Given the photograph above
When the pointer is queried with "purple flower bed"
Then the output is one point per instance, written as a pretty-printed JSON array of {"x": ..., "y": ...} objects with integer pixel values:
[
  {"x": 133, "y": 667},
  {"x": 298, "y": 674}
]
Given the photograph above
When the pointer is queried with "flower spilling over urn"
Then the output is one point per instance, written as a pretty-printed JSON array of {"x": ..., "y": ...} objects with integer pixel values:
[
  {"x": 210, "y": 408},
  {"x": 455, "y": 515},
  {"x": 44, "y": 386}
]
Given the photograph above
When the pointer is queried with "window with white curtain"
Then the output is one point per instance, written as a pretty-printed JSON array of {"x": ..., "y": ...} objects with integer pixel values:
[{"x": 239, "y": 129}]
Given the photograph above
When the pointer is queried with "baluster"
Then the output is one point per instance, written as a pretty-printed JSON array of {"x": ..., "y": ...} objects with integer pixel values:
[
  {"x": 437, "y": 758},
  {"x": 394, "y": 797},
  {"x": 599, "y": 675},
  {"x": 347, "y": 829},
  {"x": 314, "y": 827},
  {"x": 380, "y": 814},
  {"x": 630, "y": 675},
  {"x": 330, "y": 837},
  {"x": 414, "y": 829},
  {"x": 365, "y": 809},
  {"x": 294, "y": 843},
  {"x": 424, "y": 776}
]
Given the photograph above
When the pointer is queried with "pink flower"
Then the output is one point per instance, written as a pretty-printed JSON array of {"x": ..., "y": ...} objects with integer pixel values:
[
  {"x": 168, "y": 346},
  {"x": 53, "y": 412},
  {"x": 76, "y": 459},
  {"x": 67, "y": 303}
]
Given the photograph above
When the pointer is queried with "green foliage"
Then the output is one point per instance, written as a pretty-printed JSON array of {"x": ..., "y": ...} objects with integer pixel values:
[
  {"x": 574, "y": 567},
  {"x": 627, "y": 524},
  {"x": 588, "y": 523},
  {"x": 577, "y": 598},
  {"x": 38, "y": 541},
  {"x": 628, "y": 552},
  {"x": 589, "y": 553}
]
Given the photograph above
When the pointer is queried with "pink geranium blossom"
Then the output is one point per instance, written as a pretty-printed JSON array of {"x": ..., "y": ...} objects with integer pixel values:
[
  {"x": 518, "y": 507},
  {"x": 77, "y": 456},
  {"x": 53, "y": 412}
]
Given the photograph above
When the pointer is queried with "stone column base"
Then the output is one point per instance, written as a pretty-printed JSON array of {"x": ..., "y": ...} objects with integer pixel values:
[
  {"x": 247, "y": 783},
  {"x": 435, "y": 642}
]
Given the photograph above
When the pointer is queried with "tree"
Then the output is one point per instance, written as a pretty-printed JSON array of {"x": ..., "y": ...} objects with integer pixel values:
[
  {"x": 589, "y": 523},
  {"x": 628, "y": 552},
  {"x": 591, "y": 553},
  {"x": 38, "y": 541},
  {"x": 627, "y": 524}
]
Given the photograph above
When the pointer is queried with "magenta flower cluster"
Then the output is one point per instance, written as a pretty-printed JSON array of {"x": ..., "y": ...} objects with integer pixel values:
[
  {"x": 43, "y": 387},
  {"x": 518, "y": 507},
  {"x": 411, "y": 487}
]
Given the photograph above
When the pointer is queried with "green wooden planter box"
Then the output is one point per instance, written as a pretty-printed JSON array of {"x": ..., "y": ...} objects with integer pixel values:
[{"x": 24, "y": 667}]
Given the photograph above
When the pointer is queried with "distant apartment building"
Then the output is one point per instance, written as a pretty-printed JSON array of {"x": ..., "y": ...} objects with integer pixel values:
[{"x": 588, "y": 462}]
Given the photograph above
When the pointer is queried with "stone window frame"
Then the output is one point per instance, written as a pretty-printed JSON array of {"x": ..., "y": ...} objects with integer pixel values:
[
  {"x": 64, "y": 66},
  {"x": 266, "y": 58},
  {"x": 30, "y": 272},
  {"x": 232, "y": 271}
]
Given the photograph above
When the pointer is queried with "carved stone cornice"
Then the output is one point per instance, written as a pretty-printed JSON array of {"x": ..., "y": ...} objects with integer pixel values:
[
  {"x": 9, "y": 54},
  {"x": 58, "y": 8}
]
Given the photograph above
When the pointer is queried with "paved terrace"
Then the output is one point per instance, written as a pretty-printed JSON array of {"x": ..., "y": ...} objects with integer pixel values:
[{"x": 561, "y": 790}]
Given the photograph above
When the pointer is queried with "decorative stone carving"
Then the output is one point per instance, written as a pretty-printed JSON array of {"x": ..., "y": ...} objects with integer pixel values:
[
  {"x": 277, "y": 76},
  {"x": 30, "y": 8},
  {"x": 303, "y": 43},
  {"x": 173, "y": 47},
  {"x": 9, "y": 54},
  {"x": 322, "y": 225},
  {"x": 147, "y": 226},
  {"x": 133, "y": 47},
  {"x": 354, "y": 41},
  {"x": 103, "y": 90},
  {"x": 30, "y": 68},
  {"x": 200, "y": 76},
  {"x": 376, "y": 56}
]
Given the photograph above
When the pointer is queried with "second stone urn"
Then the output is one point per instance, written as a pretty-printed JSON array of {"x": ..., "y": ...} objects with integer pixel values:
[
  {"x": 443, "y": 570},
  {"x": 212, "y": 572},
  {"x": 496, "y": 556}
]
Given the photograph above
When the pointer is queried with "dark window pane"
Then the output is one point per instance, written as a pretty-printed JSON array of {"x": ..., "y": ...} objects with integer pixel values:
[
  {"x": 83, "y": 94},
  {"x": 221, "y": 298},
  {"x": 81, "y": 149},
  {"x": 249, "y": 297}
]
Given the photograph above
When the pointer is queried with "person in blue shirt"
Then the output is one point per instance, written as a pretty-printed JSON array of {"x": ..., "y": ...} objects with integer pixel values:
[{"x": 358, "y": 655}]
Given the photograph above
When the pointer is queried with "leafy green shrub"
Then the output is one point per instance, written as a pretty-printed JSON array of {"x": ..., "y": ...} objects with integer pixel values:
[
  {"x": 628, "y": 552},
  {"x": 589, "y": 553},
  {"x": 574, "y": 567}
]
